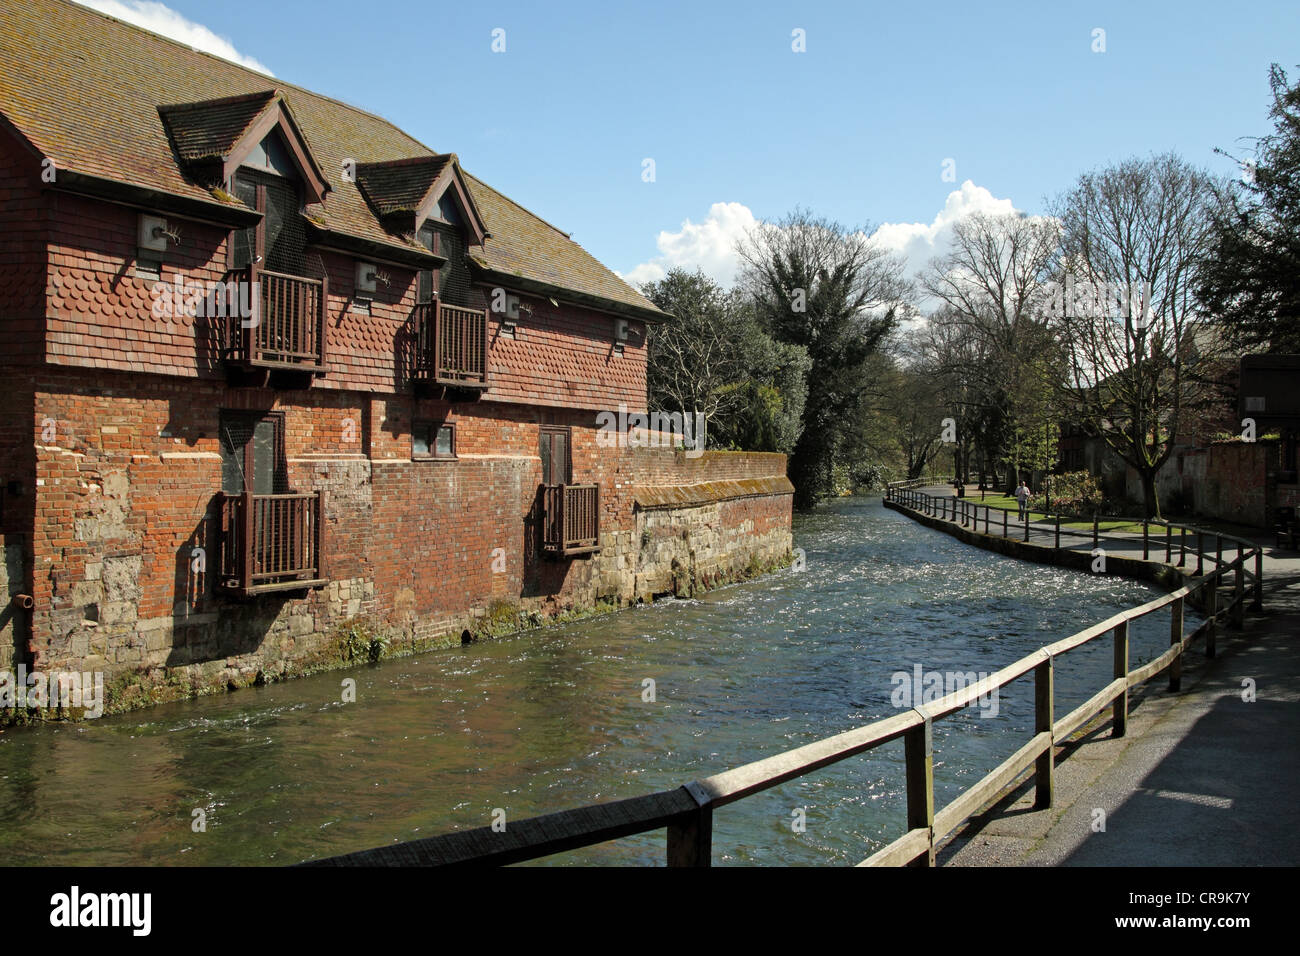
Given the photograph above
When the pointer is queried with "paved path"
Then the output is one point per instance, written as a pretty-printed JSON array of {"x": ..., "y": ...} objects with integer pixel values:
[{"x": 1202, "y": 778}]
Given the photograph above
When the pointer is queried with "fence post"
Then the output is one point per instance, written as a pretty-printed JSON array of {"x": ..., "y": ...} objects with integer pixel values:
[
  {"x": 322, "y": 542},
  {"x": 1218, "y": 551},
  {"x": 1094, "y": 531},
  {"x": 918, "y": 749},
  {"x": 1058, "y": 531},
  {"x": 1259, "y": 579},
  {"x": 246, "y": 556},
  {"x": 690, "y": 841},
  {"x": 1026, "y": 523},
  {"x": 1200, "y": 553},
  {"x": 1212, "y": 613},
  {"x": 1175, "y": 637},
  {"x": 1239, "y": 596},
  {"x": 986, "y": 519},
  {"x": 1004, "y": 522},
  {"x": 1182, "y": 546},
  {"x": 1146, "y": 548},
  {"x": 1169, "y": 543},
  {"x": 1044, "y": 717},
  {"x": 1119, "y": 713}
]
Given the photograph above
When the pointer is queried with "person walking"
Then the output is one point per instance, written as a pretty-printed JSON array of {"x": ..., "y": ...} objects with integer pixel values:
[{"x": 1022, "y": 498}]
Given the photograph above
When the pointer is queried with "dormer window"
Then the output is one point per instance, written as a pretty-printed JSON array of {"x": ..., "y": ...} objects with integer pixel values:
[
  {"x": 451, "y": 283},
  {"x": 268, "y": 183}
]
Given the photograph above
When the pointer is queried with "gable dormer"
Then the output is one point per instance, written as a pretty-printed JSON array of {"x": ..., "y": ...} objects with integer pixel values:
[
  {"x": 212, "y": 139},
  {"x": 407, "y": 193}
]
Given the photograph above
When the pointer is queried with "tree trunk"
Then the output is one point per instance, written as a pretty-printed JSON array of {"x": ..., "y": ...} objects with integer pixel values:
[{"x": 1150, "y": 500}]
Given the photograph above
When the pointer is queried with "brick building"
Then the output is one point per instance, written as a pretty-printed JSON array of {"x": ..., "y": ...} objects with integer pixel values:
[{"x": 278, "y": 374}]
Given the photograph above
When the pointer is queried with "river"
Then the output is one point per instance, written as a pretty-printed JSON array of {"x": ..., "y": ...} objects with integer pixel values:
[{"x": 558, "y": 717}]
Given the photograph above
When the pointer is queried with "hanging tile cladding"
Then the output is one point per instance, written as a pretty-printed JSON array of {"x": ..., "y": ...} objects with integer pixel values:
[{"x": 101, "y": 315}]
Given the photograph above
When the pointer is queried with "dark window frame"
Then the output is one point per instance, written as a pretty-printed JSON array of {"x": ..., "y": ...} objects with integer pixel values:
[
  {"x": 278, "y": 422},
  {"x": 547, "y": 433},
  {"x": 434, "y": 428}
]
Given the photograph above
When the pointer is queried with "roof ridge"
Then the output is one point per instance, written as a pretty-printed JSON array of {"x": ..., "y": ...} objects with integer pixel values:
[{"x": 268, "y": 95}]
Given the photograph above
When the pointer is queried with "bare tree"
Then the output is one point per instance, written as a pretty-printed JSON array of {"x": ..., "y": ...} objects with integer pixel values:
[
  {"x": 990, "y": 336},
  {"x": 1140, "y": 356}
]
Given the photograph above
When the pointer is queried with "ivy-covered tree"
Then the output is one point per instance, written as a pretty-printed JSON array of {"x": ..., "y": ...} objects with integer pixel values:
[{"x": 834, "y": 293}]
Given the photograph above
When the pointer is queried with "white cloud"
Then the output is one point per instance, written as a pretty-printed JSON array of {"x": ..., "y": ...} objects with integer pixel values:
[
  {"x": 918, "y": 242},
  {"x": 162, "y": 19},
  {"x": 711, "y": 244}
]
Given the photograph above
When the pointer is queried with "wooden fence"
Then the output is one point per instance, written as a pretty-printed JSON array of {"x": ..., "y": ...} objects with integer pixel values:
[{"x": 686, "y": 813}]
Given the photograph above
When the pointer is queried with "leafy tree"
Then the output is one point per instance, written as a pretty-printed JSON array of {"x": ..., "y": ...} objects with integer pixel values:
[
  {"x": 834, "y": 293},
  {"x": 1251, "y": 280},
  {"x": 713, "y": 358}
]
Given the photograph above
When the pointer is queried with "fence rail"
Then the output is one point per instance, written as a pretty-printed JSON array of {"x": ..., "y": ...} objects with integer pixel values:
[
  {"x": 686, "y": 813},
  {"x": 570, "y": 519},
  {"x": 287, "y": 327},
  {"x": 451, "y": 345},
  {"x": 1172, "y": 536},
  {"x": 271, "y": 542}
]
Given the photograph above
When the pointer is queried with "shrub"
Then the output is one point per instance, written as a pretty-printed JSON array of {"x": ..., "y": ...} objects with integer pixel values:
[{"x": 1074, "y": 493}]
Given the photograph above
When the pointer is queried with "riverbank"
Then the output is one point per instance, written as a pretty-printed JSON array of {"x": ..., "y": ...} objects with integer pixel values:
[{"x": 1204, "y": 776}]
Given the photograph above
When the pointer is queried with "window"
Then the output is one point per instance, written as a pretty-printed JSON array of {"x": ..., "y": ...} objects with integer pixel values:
[
  {"x": 252, "y": 453},
  {"x": 453, "y": 279},
  {"x": 557, "y": 465},
  {"x": 268, "y": 182},
  {"x": 433, "y": 440}
]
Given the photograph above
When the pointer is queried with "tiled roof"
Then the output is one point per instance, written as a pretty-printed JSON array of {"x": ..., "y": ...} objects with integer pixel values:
[
  {"x": 400, "y": 186},
  {"x": 209, "y": 129},
  {"x": 86, "y": 90}
]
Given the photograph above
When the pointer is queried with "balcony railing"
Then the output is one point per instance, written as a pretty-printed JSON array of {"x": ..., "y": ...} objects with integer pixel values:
[
  {"x": 272, "y": 542},
  {"x": 286, "y": 329},
  {"x": 570, "y": 519},
  {"x": 451, "y": 345}
]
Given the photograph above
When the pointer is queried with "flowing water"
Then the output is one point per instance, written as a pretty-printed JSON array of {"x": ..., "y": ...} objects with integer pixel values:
[{"x": 557, "y": 717}]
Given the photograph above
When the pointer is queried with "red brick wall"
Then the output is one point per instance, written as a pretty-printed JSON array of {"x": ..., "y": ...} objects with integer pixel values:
[{"x": 664, "y": 466}]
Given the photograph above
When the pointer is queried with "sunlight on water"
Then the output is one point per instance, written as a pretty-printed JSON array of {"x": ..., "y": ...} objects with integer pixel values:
[{"x": 554, "y": 718}]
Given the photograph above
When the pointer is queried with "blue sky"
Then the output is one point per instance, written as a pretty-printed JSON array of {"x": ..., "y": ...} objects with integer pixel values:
[{"x": 739, "y": 125}]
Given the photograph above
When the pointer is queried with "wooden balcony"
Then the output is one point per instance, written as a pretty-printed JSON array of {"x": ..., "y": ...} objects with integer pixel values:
[
  {"x": 451, "y": 346},
  {"x": 287, "y": 328},
  {"x": 271, "y": 543},
  {"x": 570, "y": 519}
]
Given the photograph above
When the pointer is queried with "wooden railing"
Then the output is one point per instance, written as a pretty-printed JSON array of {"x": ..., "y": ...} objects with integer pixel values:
[
  {"x": 1173, "y": 536},
  {"x": 272, "y": 542},
  {"x": 287, "y": 327},
  {"x": 451, "y": 345},
  {"x": 570, "y": 519},
  {"x": 686, "y": 813},
  {"x": 909, "y": 483}
]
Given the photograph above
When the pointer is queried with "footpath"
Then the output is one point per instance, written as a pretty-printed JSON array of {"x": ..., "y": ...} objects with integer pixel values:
[{"x": 1207, "y": 776}]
